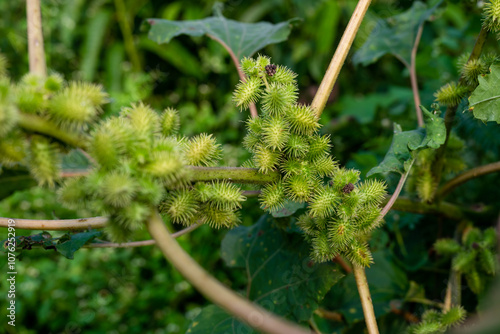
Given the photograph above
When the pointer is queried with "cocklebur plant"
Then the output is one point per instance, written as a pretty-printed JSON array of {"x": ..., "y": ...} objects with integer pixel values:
[
  {"x": 474, "y": 257},
  {"x": 140, "y": 165},
  {"x": 434, "y": 322},
  {"x": 285, "y": 138}
]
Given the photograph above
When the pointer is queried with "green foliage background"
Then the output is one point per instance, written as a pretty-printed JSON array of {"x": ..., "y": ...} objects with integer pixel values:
[{"x": 135, "y": 290}]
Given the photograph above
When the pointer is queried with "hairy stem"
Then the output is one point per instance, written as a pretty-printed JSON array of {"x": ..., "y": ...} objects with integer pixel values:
[
  {"x": 252, "y": 107},
  {"x": 35, "y": 38},
  {"x": 40, "y": 125},
  {"x": 128, "y": 38},
  {"x": 466, "y": 176},
  {"x": 451, "y": 111},
  {"x": 233, "y": 174},
  {"x": 243, "y": 309},
  {"x": 339, "y": 57},
  {"x": 413, "y": 77},
  {"x": 366, "y": 300}
]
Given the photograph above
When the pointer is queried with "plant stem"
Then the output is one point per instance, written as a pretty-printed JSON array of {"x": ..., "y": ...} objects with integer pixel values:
[
  {"x": 233, "y": 174},
  {"x": 413, "y": 76},
  {"x": 366, "y": 300},
  {"x": 236, "y": 61},
  {"x": 445, "y": 209},
  {"x": 35, "y": 38},
  {"x": 453, "y": 293},
  {"x": 128, "y": 38},
  {"x": 339, "y": 57},
  {"x": 40, "y": 125},
  {"x": 451, "y": 111},
  {"x": 396, "y": 193},
  {"x": 253, "y": 315},
  {"x": 57, "y": 225},
  {"x": 466, "y": 176}
]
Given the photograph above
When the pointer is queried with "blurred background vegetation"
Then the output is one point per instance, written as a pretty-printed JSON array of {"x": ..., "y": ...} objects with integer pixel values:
[{"x": 105, "y": 41}]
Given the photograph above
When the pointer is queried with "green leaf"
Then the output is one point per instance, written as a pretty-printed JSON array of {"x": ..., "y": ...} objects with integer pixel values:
[
  {"x": 69, "y": 244},
  {"x": 281, "y": 276},
  {"x": 289, "y": 209},
  {"x": 244, "y": 39},
  {"x": 485, "y": 99},
  {"x": 395, "y": 35},
  {"x": 400, "y": 156},
  {"x": 12, "y": 180}
]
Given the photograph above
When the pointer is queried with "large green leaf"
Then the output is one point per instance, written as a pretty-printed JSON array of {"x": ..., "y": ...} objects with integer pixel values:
[
  {"x": 70, "y": 243},
  {"x": 404, "y": 143},
  {"x": 281, "y": 276},
  {"x": 485, "y": 99},
  {"x": 244, "y": 39},
  {"x": 395, "y": 35}
]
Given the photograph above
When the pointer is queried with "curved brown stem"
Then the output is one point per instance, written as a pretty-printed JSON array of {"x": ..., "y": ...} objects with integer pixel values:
[
  {"x": 57, "y": 225},
  {"x": 366, "y": 300},
  {"x": 35, "y": 38},
  {"x": 250, "y": 313}
]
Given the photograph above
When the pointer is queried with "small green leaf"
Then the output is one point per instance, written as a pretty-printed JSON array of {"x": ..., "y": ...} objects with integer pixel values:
[
  {"x": 395, "y": 35},
  {"x": 244, "y": 39},
  {"x": 399, "y": 157},
  {"x": 289, "y": 209},
  {"x": 485, "y": 99},
  {"x": 71, "y": 243}
]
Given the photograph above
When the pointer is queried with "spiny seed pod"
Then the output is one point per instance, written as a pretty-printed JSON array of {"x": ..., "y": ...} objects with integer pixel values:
[
  {"x": 251, "y": 141},
  {"x": 322, "y": 250},
  {"x": 265, "y": 159},
  {"x": 262, "y": 61},
  {"x": 492, "y": 15},
  {"x": 464, "y": 261},
  {"x": 489, "y": 238},
  {"x": 247, "y": 92},
  {"x": 8, "y": 117},
  {"x": 109, "y": 141},
  {"x": 29, "y": 99},
  {"x": 32, "y": 80},
  {"x": 275, "y": 133},
  {"x": 217, "y": 218},
  {"x": 144, "y": 121},
  {"x": 181, "y": 206},
  {"x": 298, "y": 188},
  {"x": 344, "y": 176},
  {"x": 255, "y": 125},
  {"x": 44, "y": 161},
  {"x": 167, "y": 166},
  {"x": 54, "y": 83},
  {"x": 249, "y": 66},
  {"x": 73, "y": 193},
  {"x": 359, "y": 253},
  {"x": 431, "y": 315},
  {"x": 297, "y": 146},
  {"x": 170, "y": 122},
  {"x": 89, "y": 91},
  {"x": 116, "y": 231},
  {"x": 450, "y": 94},
  {"x": 71, "y": 110},
  {"x": 202, "y": 150},
  {"x": 340, "y": 233},
  {"x": 471, "y": 236},
  {"x": 454, "y": 316},
  {"x": 292, "y": 167},
  {"x": 272, "y": 196},
  {"x": 487, "y": 261},
  {"x": 472, "y": 69},
  {"x": 426, "y": 327},
  {"x": 149, "y": 190},
  {"x": 474, "y": 281},
  {"x": 134, "y": 215},
  {"x": 118, "y": 189},
  {"x": 318, "y": 146},
  {"x": 277, "y": 98},
  {"x": 12, "y": 149},
  {"x": 303, "y": 120},
  {"x": 222, "y": 195},
  {"x": 323, "y": 202},
  {"x": 367, "y": 218},
  {"x": 324, "y": 165},
  {"x": 447, "y": 247},
  {"x": 307, "y": 224},
  {"x": 372, "y": 191},
  {"x": 283, "y": 75}
]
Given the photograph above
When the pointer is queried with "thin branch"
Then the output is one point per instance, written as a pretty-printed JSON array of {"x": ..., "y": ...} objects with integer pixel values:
[
  {"x": 128, "y": 38},
  {"x": 445, "y": 209},
  {"x": 233, "y": 174},
  {"x": 396, "y": 193},
  {"x": 466, "y": 176},
  {"x": 425, "y": 302},
  {"x": 451, "y": 111},
  {"x": 330, "y": 315},
  {"x": 339, "y": 57},
  {"x": 250, "y": 313},
  {"x": 35, "y": 38},
  {"x": 347, "y": 268},
  {"x": 236, "y": 61},
  {"x": 413, "y": 76},
  {"x": 140, "y": 243},
  {"x": 57, "y": 225},
  {"x": 366, "y": 300}
]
